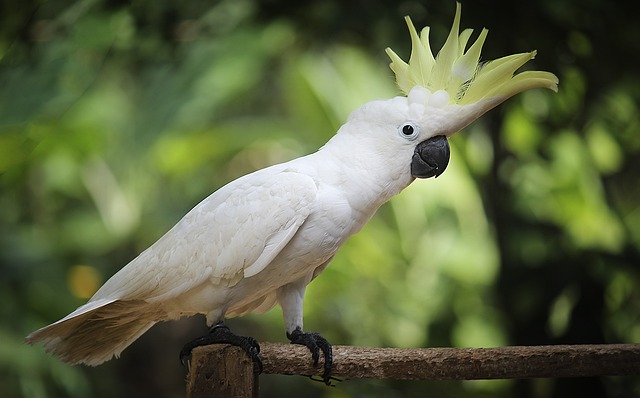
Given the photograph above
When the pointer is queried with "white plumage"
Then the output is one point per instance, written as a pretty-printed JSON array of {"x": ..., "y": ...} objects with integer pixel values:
[{"x": 257, "y": 241}]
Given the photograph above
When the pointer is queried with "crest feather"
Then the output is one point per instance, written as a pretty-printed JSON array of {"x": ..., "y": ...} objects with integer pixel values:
[{"x": 459, "y": 72}]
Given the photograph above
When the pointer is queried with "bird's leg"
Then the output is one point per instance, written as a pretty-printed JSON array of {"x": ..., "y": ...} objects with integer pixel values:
[
  {"x": 315, "y": 343},
  {"x": 290, "y": 298},
  {"x": 220, "y": 334}
]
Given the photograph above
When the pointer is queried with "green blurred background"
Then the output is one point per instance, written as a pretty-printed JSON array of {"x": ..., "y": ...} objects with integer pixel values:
[{"x": 117, "y": 117}]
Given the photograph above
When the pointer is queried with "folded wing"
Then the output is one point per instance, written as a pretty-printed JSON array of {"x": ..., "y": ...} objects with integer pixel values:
[{"x": 234, "y": 233}]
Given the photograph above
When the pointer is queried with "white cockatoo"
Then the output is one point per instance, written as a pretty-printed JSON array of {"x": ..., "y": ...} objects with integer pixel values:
[{"x": 260, "y": 240}]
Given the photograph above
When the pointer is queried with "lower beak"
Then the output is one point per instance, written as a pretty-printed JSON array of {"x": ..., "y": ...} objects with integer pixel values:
[{"x": 430, "y": 157}]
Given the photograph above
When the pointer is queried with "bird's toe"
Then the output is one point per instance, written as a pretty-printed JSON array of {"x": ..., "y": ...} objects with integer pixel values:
[
  {"x": 315, "y": 343},
  {"x": 220, "y": 334}
]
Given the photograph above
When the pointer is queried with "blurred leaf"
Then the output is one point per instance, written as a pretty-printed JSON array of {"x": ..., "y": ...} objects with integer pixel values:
[{"x": 116, "y": 118}]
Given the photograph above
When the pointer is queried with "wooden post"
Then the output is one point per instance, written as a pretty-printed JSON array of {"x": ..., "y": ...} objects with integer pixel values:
[{"x": 224, "y": 371}]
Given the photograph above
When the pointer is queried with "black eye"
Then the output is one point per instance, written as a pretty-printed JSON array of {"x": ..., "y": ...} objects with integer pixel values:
[{"x": 409, "y": 131}]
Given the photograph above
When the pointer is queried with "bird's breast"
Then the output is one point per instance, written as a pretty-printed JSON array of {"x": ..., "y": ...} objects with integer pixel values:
[{"x": 331, "y": 221}]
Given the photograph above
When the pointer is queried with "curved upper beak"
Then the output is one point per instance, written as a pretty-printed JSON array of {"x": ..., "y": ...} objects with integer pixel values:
[{"x": 430, "y": 157}]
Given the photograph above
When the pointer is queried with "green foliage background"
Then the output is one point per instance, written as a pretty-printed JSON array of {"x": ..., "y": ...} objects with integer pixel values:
[{"x": 117, "y": 117}]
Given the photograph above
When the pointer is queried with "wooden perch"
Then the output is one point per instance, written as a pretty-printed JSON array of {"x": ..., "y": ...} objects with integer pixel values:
[{"x": 222, "y": 366}]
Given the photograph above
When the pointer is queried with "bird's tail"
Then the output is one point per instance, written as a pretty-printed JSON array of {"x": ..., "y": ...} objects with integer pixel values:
[{"x": 97, "y": 331}]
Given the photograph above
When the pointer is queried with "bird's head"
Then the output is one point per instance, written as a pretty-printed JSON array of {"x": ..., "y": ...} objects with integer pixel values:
[{"x": 444, "y": 94}]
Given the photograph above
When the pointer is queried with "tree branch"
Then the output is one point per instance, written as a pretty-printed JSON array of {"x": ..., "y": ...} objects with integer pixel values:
[{"x": 446, "y": 363}]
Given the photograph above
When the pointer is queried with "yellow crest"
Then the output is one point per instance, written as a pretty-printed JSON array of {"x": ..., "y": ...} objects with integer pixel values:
[{"x": 460, "y": 73}]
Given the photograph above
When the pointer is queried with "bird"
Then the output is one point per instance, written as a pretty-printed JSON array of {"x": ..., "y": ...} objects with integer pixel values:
[{"x": 261, "y": 239}]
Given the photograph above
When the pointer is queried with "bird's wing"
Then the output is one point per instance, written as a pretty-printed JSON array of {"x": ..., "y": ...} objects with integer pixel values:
[{"x": 232, "y": 234}]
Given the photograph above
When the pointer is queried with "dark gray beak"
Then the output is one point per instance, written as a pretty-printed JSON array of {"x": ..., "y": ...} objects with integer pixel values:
[{"x": 430, "y": 157}]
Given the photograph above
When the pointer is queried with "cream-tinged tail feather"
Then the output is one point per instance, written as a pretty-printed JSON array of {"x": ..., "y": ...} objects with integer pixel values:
[{"x": 97, "y": 331}]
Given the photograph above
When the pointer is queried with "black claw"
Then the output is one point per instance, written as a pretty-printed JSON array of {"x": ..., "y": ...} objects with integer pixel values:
[
  {"x": 321, "y": 380},
  {"x": 220, "y": 334},
  {"x": 315, "y": 343}
]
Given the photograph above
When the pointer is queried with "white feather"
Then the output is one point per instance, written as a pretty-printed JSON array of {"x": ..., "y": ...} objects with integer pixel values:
[{"x": 234, "y": 233}]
